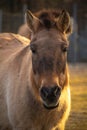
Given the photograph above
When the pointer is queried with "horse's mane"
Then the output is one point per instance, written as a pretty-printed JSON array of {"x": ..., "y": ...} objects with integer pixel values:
[{"x": 48, "y": 17}]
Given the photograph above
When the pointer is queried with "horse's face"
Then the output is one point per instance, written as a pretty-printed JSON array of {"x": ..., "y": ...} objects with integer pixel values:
[{"x": 49, "y": 56}]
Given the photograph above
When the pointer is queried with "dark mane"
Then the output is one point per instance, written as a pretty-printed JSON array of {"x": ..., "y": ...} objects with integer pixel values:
[{"x": 48, "y": 17}]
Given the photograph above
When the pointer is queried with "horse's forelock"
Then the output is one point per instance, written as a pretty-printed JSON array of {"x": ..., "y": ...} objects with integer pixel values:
[{"x": 48, "y": 17}]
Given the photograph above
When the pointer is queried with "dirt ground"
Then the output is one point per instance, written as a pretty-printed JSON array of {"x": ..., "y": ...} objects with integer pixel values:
[{"x": 78, "y": 81}]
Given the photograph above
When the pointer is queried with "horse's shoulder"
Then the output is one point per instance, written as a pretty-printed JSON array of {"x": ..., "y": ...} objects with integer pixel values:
[
  {"x": 10, "y": 43},
  {"x": 10, "y": 39}
]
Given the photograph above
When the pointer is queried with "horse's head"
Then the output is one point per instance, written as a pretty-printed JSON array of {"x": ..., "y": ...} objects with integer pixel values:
[{"x": 49, "y": 46}]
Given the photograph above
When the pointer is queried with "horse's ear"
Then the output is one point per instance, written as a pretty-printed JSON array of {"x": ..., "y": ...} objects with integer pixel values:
[
  {"x": 32, "y": 21},
  {"x": 63, "y": 22}
]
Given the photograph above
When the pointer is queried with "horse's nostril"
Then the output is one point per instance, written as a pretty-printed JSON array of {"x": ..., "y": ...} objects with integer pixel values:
[
  {"x": 44, "y": 92},
  {"x": 56, "y": 91}
]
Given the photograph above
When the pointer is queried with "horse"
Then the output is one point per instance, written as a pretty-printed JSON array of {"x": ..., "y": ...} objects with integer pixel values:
[{"x": 34, "y": 77}]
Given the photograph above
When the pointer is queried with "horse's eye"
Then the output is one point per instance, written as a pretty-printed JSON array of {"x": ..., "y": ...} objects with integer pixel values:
[
  {"x": 65, "y": 49},
  {"x": 33, "y": 48}
]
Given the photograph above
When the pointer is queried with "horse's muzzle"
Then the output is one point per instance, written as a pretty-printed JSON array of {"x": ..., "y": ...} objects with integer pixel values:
[{"x": 50, "y": 96}]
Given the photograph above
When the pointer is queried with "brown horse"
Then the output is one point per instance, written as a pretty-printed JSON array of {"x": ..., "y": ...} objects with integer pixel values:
[{"x": 34, "y": 82}]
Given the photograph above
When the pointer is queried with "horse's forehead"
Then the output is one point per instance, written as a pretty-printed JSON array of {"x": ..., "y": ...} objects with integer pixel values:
[
  {"x": 51, "y": 38},
  {"x": 49, "y": 41},
  {"x": 49, "y": 44}
]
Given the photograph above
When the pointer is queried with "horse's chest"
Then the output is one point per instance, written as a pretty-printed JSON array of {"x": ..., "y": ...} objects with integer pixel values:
[{"x": 45, "y": 121}]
